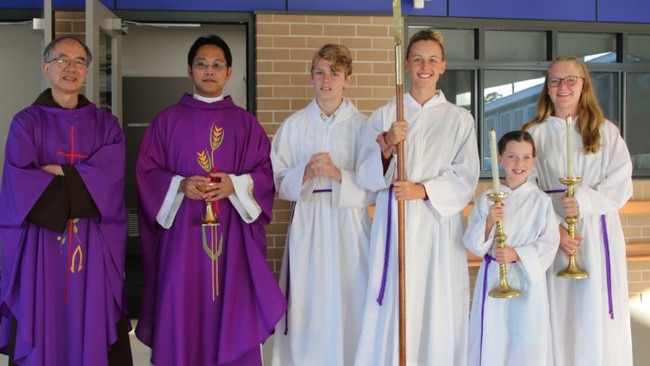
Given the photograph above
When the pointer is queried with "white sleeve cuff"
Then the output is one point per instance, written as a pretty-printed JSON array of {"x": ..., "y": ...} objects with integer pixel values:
[
  {"x": 170, "y": 205},
  {"x": 243, "y": 199}
]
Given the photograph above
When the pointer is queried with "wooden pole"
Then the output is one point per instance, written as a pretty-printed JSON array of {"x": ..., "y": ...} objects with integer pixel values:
[{"x": 399, "y": 96}]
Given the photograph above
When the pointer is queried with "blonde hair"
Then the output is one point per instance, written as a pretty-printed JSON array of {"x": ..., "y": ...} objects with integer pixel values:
[
  {"x": 427, "y": 35},
  {"x": 338, "y": 56},
  {"x": 590, "y": 115}
]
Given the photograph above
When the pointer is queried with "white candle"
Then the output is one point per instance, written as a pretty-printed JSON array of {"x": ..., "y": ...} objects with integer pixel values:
[
  {"x": 494, "y": 160},
  {"x": 569, "y": 147}
]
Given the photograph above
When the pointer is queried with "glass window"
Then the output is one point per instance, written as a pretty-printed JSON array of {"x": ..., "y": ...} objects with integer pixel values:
[
  {"x": 513, "y": 46},
  {"x": 458, "y": 86},
  {"x": 639, "y": 49},
  {"x": 637, "y": 111},
  {"x": 606, "y": 88},
  {"x": 105, "y": 72},
  {"x": 509, "y": 101},
  {"x": 459, "y": 43},
  {"x": 592, "y": 47}
]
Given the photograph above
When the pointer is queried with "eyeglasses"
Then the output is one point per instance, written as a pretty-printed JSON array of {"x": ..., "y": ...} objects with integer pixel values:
[
  {"x": 569, "y": 81},
  {"x": 203, "y": 65},
  {"x": 67, "y": 62}
]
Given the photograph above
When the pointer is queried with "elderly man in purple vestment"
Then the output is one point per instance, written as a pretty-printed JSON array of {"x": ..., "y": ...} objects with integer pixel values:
[
  {"x": 205, "y": 190},
  {"x": 63, "y": 225}
]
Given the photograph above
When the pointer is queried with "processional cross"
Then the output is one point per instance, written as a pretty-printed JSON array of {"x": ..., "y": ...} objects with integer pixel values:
[{"x": 399, "y": 96}]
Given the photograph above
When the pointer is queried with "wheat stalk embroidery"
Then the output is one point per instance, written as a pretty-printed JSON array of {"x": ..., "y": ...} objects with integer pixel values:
[{"x": 205, "y": 159}]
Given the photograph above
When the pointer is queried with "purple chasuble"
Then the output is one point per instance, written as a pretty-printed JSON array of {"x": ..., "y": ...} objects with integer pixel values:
[
  {"x": 182, "y": 319},
  {"x": 66, "y": 290}
]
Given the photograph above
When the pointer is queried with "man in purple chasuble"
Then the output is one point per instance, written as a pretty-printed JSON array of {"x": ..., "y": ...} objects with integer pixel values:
[
  {"x": 210, "y": 297},
  {"x": 63, "y": 225}
]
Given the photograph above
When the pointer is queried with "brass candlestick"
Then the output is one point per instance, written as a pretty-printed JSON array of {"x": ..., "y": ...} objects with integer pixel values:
[
  {"x": 503, "y": 291},
  {"x": 572, "y": 271}
]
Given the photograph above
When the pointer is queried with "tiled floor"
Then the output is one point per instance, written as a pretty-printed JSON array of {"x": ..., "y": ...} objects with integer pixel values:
[{"x": 640, "y": 316}]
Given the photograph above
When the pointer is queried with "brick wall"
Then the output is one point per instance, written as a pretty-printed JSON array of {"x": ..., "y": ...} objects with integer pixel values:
[
  {"x": 637, "y": 230},
  {"x": 71, "y": 23}
]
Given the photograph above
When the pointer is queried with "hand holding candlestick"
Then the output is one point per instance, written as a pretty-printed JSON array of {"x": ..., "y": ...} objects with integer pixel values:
[
  {"x": 503, "y": 291},
  {"x": 572, "y": 271}
]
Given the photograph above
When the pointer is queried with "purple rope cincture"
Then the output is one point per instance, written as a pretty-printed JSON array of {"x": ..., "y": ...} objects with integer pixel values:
[
  {"x": 488, "y": 259},
  {"x": 321, "y": 191},
  {"x": 286, "y": 312},
  {"x": 288, "y": 284},
  {"x": 608, "y": 267},
  {"x": 380, "y": 299},
  {"x": 556, "y": 191}
]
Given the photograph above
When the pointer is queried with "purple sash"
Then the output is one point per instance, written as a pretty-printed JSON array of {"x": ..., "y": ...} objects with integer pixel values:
[
  {"x": 608, "y": 266},
  {"x": 380, "y": 299},
  {"x": 488, "y": 259}
]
